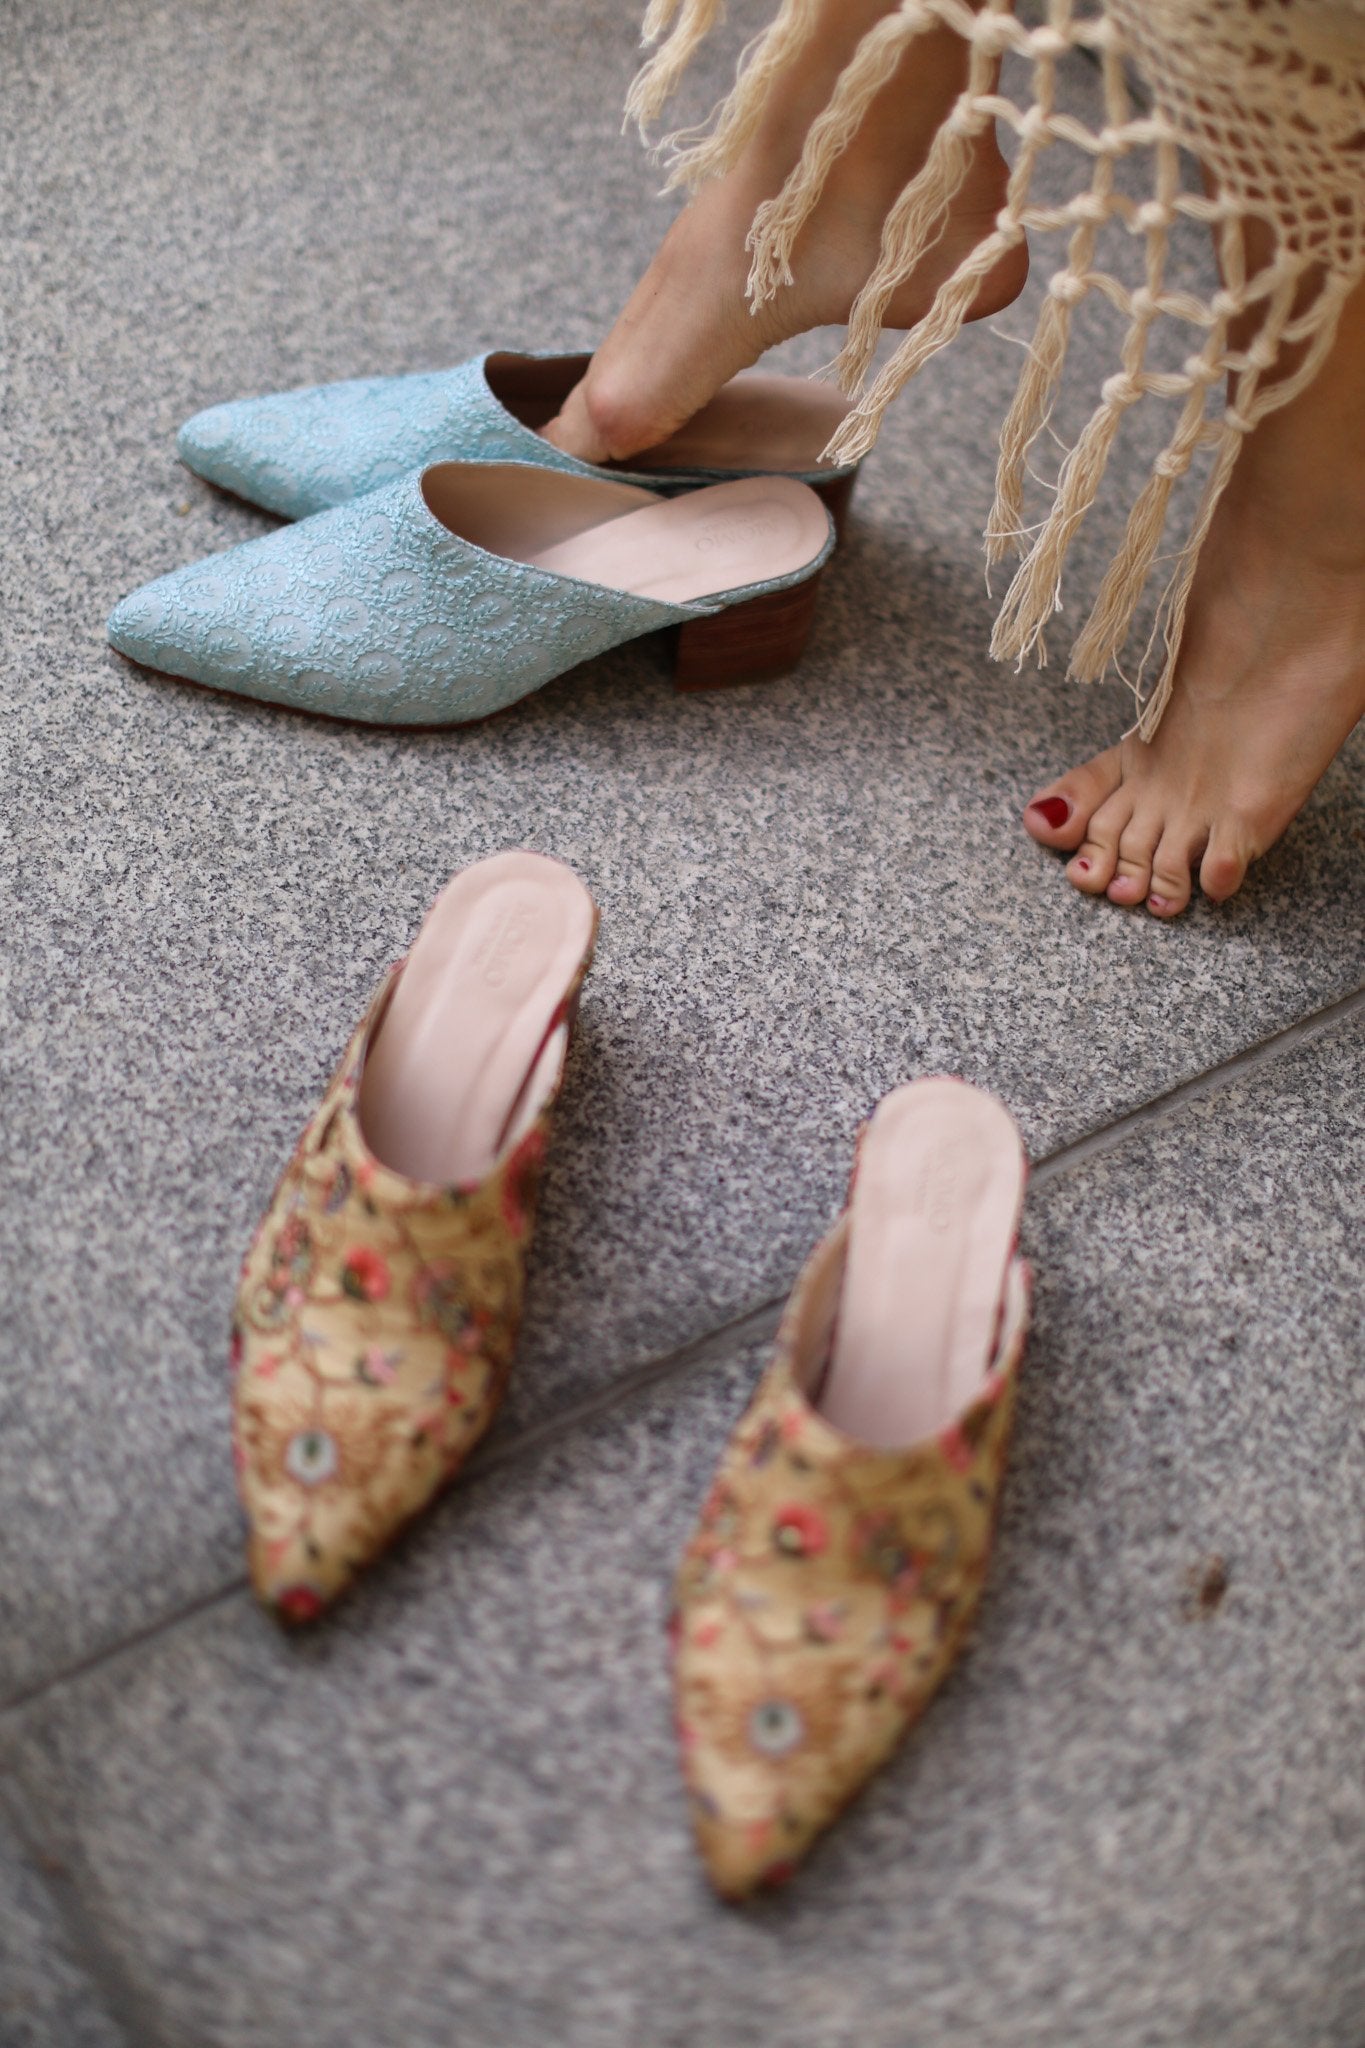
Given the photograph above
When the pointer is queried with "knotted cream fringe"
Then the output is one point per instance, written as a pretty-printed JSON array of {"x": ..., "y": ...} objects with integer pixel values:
[{"x": 1272, "y": 102}]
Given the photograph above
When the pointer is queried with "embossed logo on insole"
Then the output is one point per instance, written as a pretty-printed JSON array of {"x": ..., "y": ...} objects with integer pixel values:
[
  {"x": 937, "y": 1191},
  {"x": 496, "y": 956},
  {"x": 739, "y": 530}
]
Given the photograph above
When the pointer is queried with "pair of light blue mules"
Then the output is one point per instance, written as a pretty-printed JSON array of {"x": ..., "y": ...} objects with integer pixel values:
[{"x": 448, "y": 560}]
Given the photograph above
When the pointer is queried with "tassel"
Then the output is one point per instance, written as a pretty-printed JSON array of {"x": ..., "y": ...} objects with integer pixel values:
[
  {"x": 1029, "y": 413},
  {"x": 1031, "y": 407},
  {"x": 914, "y": 224},
  {"x": 939, "y": 326},
  {"x": 1176, "y": 596},
  {"x": 657, "y": 81},
  {"x": 920, "y": 215},
  {"x": 779, "y": 221},
  {"x": 739, "y": 115},
  {"x": 1102, "y": 637},
  {"x": 658, "y": 19},
  {"x": 1034, "y": 596}
]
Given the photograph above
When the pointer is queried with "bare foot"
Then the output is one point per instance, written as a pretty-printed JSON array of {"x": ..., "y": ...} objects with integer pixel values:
[
  {"x": 1271, "y": 677},
  {"x": 688, "y": 328}
]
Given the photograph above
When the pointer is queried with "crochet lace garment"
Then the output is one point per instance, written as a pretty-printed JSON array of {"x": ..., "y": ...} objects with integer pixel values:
[{"x": 1268, "y": 95}]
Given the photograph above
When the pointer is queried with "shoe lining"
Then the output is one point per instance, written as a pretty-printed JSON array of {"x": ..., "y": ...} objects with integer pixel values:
[
  {"x": 932, "y": 1225},
  {"x": 674, "y": 550},
  {"x": 757, "y": 421},
  {"x": 467, "y": 1049}
]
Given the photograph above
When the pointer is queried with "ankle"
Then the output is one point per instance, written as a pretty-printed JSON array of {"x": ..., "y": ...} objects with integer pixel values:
[{"x": 1274, "y": 533}]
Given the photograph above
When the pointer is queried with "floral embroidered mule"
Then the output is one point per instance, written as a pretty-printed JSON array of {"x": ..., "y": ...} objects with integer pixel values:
[
  {"x": 378, "y": 1308},
  {"x": 840, "y": 1555},
  {"x": 299, "y": 452}
]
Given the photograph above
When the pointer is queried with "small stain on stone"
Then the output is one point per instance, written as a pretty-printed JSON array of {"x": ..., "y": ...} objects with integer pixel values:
[
  {"x": 1206, "y": 1584},
  {"x": 183, "y": 510}
]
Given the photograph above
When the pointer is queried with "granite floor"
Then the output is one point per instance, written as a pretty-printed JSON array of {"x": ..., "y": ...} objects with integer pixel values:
[{"x": 1136, "y": 1815}]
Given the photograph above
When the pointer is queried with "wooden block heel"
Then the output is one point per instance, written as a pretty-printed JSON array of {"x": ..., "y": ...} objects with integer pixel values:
[
  {"x": 750, "y": 643},
  {"x": 837, "y": 495}
]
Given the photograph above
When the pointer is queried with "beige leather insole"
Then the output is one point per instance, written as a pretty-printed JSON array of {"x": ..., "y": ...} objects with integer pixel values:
[
  {"x": 932, "y": 1225},
  {"x": 464, "y": 1054},
  {"x": 756, "y": 421},
  {"x": 680, "y": 549},
  {"x": 623, "y": 538}
]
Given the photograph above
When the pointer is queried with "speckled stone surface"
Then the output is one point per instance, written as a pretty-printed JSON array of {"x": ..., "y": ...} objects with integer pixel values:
[
  {"x": 810, "y": 891},
  {"x": 46, "y": 1998},
  {"x": 1134, "y": 1816}
]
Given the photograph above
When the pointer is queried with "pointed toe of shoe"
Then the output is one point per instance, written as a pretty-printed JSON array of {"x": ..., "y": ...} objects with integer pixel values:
[
  {"x": 148, "y": 626},
  {"x": 331, "y": 1471},
  {"x": 277, "y": 619},
  {"x": 245, "y": 447},
  {"x": 290, "y": 1585},
  {"x": 205, "y": 442},
  {"x": 301, "y": 452},
  {"x": 740, "y": 1861},
  {"x": 182, "y": 624},
  {"x": 129, "y": 622},
  {"x": 773, "y": 1745},
  {"x": 328, "y": 1484}
]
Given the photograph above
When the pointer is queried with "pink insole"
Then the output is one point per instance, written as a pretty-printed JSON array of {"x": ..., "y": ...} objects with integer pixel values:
[
  {"x": 465, "y": 1052},
  {"x": 932, "y": 1225},
  {"x": 703, "y": 544}
]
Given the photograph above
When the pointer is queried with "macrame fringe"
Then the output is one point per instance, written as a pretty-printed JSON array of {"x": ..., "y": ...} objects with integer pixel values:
[
  {"x": 695, "y": 156},
  {"x": 1271, "y": 101},
  {"x": 916, "y": 221},
  {"x": 690, "y": 23},
  {"x": 940, "y": 325},
  {"x": 1039, "y": 381},
  {"x": 920, "y": 216},
  {"x": 1034, "y": 594}
]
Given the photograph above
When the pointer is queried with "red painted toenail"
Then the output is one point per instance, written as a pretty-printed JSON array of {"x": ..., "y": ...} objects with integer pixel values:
[
  {"x": 1082, "y": 867},
  {"x": 1053, "y": 810},
  {"x": 1159, "y": 902}
]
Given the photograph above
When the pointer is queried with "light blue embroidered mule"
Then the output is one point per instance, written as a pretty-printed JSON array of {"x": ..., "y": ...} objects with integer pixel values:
[
  {"x": 459, "y": 589},
  {"x": 298, "y": 452}
]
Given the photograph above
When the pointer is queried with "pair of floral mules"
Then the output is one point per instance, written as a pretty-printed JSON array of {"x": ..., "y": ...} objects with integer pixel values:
[{"x": 841, "y": 1552}]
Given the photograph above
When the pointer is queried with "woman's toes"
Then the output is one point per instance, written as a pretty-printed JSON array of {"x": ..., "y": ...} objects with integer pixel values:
[
  {"x": 1059, "y": 815},
  {"x": 1223, "y": 868},
  {"x": 1092, "y": 867},
  {"x": 1172, "y": 877},
  {"x": 1133, "y": 868}
]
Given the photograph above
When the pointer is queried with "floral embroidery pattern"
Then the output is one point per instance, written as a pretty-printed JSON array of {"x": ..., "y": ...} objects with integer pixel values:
[
  {"x": 376, "y": 611},
  {"x": 823, "y": 1597},
  {"x": 299, "y": 452},
  {"x": 375, "y": 1326}
]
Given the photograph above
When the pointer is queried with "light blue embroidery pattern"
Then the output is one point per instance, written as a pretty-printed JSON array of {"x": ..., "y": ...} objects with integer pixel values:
[
  {"x": 299, "y": 452},
  {"x": 375, "y": 611}
]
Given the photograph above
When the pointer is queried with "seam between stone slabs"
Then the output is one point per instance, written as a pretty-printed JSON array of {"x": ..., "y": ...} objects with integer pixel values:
[
  {"x": 760, "y": 1322},
  {"x": 757, "y": 1324}
]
